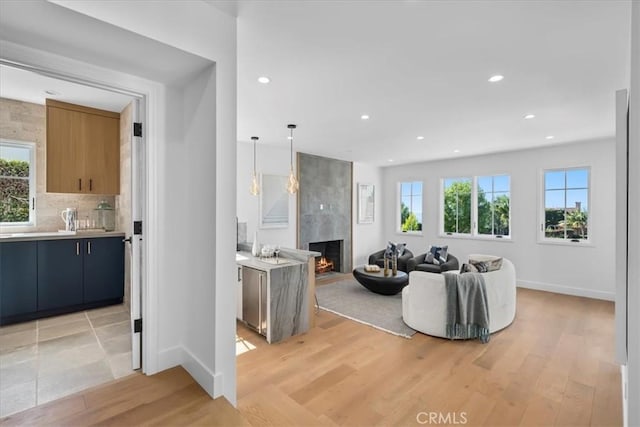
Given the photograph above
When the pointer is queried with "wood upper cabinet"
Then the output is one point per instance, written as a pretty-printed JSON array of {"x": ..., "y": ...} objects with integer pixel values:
[{"x": 83, "y": 149}]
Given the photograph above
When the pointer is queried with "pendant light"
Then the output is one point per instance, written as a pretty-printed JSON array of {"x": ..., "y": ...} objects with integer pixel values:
[
  {"x": 254, "y": 189},
  {"x": 292, "y": 182}
]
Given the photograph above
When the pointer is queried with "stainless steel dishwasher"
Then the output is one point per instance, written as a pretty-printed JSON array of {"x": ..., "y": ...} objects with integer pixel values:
[{"x": 254, "y": 299}]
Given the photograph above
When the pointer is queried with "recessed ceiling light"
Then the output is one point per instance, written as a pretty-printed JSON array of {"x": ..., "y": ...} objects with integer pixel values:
[
  {"x": 364, "y": 117},
  {"x": 549, "y": 137},
  {"x": 529, "y": 116},
  {"x": 52, "y": 92},
  {"x": 456, "y": 151},
  {"x": 496, "y": 78},
  {"x": 420, "y": 138},
  {"x": 390, "y": 160},
  {"x": 264, "y": 79}
]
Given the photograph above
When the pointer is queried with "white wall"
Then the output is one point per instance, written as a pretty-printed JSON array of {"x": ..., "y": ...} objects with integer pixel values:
[
  {"x": 197, "y": 265},
  {"x": 273, "y": 161},
  {"x": 368, "y": 238},
  {"x": 584, "y": 270},
  {"x": 634, "y": 226}
]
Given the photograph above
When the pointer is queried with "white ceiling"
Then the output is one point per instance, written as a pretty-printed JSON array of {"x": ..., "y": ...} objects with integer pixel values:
[
  {"x": 28, "y": 86},
  {"x": 416, "y": 67},
  {"x": 62, "y": 31},
  {"x": 421, "y": 68}
]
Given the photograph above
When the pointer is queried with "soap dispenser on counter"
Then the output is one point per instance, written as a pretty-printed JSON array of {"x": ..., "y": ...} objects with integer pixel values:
[{"x": 105, "y": 216}]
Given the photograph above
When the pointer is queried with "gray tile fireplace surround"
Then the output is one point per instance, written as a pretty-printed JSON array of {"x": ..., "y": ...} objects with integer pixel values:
[{"x": 324, "y": 203}]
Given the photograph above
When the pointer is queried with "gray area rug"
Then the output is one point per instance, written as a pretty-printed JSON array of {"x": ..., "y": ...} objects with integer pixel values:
[{"x": 348, "y": 298}]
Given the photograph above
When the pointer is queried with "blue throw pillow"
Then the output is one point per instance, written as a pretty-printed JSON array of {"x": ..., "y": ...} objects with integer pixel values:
[
  {"x": 436, "y": 255},
  {"x": 400, "y": 247},
  {"x": 395, "y": 248}
]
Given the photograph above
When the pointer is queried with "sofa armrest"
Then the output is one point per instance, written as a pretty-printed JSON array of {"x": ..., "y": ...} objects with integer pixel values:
[
  {"x": 413, "y": 262},
  {"x": 451, "y": 264}
]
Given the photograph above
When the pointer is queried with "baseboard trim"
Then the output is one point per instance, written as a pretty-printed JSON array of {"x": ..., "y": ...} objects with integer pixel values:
[
  {"x": 169, "y": 358},
  {"x": 211, "y": 382},
  {"x": 567, "y": 290}
]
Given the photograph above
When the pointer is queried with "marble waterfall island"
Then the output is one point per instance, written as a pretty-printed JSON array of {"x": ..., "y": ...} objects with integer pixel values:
[{"x": 288, "y": 293}]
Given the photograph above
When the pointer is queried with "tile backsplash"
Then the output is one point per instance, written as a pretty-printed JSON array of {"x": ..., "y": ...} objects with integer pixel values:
[{"x": 24, "y": 121}]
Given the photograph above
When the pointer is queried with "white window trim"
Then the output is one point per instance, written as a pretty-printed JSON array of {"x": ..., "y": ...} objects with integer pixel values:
[
  {"x": 474, "y": 235},
  {"x": 398, "y": 214},
  {"x": 32, "y": 181},
  {"x": 542, "y": 239},
  {"x": 472, "y": 219}
]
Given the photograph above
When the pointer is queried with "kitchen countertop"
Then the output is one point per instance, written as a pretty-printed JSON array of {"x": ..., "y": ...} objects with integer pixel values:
[
  {"x": 57, "y": 235},
  {"x": 245, "y": 259}
]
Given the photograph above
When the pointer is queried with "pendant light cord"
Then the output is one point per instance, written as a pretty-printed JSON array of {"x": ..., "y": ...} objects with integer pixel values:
[{"x": 291, "y": 151}]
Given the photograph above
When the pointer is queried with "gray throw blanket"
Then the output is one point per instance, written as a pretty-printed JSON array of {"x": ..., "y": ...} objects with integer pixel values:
[{"x": 467, "y": 307}]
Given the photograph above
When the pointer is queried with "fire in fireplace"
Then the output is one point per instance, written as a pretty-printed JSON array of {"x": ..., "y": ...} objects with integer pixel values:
[
  {"x": 331, "y": 254},
  {"x": 323, "y": 265}
]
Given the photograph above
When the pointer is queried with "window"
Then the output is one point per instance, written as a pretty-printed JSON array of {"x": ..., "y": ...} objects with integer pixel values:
[
  {"x": 17, "y": 183},
  {"x": 410, "y": 206},
  {"x": 457, "y": 205},
  {"x": 476, "y": 206},
  {"x": 493, "y": 201},
  {"x": 566, "y": 204}
]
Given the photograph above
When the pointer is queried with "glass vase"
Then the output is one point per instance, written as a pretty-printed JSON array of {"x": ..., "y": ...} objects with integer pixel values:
[
  {"x": 386, "y": 266},
  {"x": 394, "y": 264}
]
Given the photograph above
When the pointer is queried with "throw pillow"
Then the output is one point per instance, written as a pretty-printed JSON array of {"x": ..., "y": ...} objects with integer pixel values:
[
  {"x": 400, "y": 248},
  {"x": 391, "y": 249},
  {"x": 436, "y": 255},
  {"x": 493, "y": 264},
  {"x": 480, "y": 266},
  {"x": 444, "y": 254},
  {"x": 468, "y": 268}
]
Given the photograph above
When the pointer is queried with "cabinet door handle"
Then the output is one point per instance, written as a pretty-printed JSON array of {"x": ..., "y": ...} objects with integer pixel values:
[
  {"x": 77, "y": 248},
  {"x": 90, "y": 184},
  {"x": 88, "y": 248},
  {"x": 80, "y": 184}
]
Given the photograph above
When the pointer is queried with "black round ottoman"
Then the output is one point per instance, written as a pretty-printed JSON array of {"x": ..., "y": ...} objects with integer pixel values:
[{"x": 379, "y": 283}]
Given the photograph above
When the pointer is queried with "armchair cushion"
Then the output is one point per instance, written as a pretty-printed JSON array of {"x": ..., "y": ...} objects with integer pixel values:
[{"x": 417, "y": 263}]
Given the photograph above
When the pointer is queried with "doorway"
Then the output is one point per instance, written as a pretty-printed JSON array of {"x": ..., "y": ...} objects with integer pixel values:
[{"x": 84, "y": 348}]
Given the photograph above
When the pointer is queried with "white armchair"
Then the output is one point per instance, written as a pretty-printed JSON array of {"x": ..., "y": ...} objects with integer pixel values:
[{"x": 424, "y": 299}]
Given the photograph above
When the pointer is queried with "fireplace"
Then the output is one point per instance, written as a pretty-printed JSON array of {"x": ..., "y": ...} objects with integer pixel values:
[{"x": 331, "y": 254}]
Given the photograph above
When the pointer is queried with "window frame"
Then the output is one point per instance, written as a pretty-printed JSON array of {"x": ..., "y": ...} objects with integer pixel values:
[
  {"x": 491, "y": 236},
  {"x": 542, "y": 238},
  {"x": 473, "y": 234},
  {"x": 399, "y": 205},
  {"x": 31, "y": 146},
  {"x": 471, "y": 208}
]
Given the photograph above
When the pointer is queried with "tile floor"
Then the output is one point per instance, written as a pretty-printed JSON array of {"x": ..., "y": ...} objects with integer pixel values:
[{"x": 46, "y": 359}]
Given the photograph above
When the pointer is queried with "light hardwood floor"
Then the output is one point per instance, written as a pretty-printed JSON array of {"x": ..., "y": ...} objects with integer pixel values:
[{"x": 553, "y": 366}]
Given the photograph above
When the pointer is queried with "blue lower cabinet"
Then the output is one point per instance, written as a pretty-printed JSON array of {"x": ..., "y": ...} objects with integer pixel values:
[
  {"x": 18, "y": 278},
  {"x": 59, "y": 274},
  {"x": 103, "y": 273}
]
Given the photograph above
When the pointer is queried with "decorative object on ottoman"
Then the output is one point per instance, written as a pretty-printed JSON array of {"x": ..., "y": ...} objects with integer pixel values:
[
  {"x": 379, "y": 283},
  {"x": 372, "y": 268},
  {"x": 402, "y": 258},
  {"x": 436, "y": 260},
  {"x": 424, "y": 300}
]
